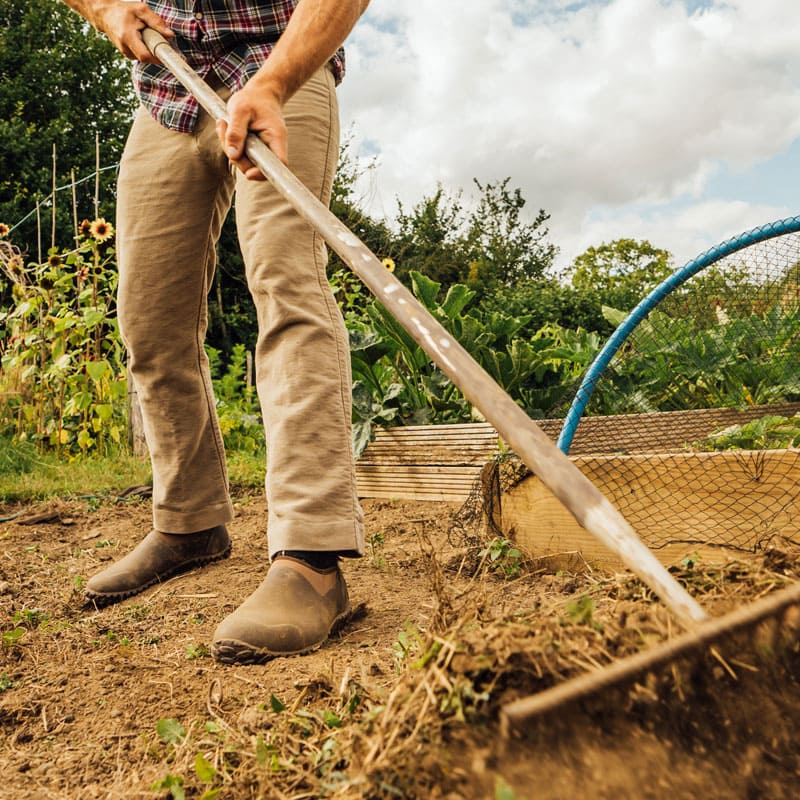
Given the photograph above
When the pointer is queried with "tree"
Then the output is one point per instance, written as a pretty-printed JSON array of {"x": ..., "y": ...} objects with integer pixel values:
[
  {"x": 487, "y": 247},
  {"x": 61, "y": 84},
  {"x": 622, "y": 272},
  {"x": 506, "y": 249},
  {"x": 431, "y": 238},
  {"x": 547, "y": 300}
]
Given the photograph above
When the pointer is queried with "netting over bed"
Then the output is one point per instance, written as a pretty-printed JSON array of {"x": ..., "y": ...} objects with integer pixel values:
[
  {"x": 686, "y": 419},
  {"x": 691, "y": 405}
]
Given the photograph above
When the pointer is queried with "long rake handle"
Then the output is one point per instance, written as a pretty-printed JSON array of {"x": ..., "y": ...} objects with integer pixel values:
[{"x": 589, "y": 507}]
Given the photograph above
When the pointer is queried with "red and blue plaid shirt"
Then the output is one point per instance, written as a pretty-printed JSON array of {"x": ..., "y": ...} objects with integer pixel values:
[{"x": 227, "y": 38}]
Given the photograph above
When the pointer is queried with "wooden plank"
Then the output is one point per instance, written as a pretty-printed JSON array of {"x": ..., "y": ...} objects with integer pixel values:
[
  {"x": 404, "y": 459},
  {"x": 427, "y": 430},
  {"x": 678, "y": 504},
  {"x": 412, "y": 482},
  {"x": 410, "y": 494},
  {"x": 433, "y": 441},
  {"x": 462, "y": 488},
  {"x": 426, "y": 462},
  {"x": 418, "y": 470}
]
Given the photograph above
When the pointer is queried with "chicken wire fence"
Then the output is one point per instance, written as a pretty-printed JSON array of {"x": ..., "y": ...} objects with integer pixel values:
[{"x": 688, "y": 420}]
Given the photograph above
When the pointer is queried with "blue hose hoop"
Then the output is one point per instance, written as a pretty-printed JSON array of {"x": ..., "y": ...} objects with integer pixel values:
[{"x": 626, "y": 327}]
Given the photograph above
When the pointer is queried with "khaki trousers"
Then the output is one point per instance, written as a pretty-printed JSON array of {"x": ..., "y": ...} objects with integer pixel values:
[{"x": 174, "y": 192}]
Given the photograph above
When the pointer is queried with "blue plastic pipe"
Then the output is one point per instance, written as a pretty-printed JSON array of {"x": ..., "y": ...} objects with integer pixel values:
[{"x": 626, "y": 327}]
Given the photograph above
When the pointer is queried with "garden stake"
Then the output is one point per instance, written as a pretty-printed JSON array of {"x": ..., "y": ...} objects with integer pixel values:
[{"x": 587, "y": 504}]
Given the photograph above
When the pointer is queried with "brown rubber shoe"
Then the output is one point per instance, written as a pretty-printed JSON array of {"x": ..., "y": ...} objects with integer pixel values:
[
  {"x": 157, "y": 557},
  {"x": 286, "y": 615}
]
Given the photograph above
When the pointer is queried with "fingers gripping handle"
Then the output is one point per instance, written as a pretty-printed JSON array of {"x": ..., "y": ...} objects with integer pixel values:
[{"x": 555, "y": 470}]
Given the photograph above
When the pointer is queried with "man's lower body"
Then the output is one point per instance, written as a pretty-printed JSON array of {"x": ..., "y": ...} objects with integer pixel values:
[{"x": 174, "y": 193}]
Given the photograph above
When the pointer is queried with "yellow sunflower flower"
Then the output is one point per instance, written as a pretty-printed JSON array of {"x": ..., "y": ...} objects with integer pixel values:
[
  {"x": 101, "y": 230},
  {"x": 388, "y": 263}
]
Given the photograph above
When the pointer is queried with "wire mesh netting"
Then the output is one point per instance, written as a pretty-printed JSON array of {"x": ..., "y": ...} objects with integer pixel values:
[{"x": 689, "y": 419}]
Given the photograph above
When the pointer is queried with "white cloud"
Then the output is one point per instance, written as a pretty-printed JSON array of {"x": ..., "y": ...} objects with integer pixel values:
[
  {"x": 607, "y": 114},
  {"x": 688, "y": 230}
]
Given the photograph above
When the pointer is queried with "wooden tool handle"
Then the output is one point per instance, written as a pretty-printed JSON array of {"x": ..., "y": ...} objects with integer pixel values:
[{"x": 554, "y": 469}]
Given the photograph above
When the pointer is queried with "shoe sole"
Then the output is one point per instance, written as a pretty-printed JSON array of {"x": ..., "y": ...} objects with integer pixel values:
[
  {"x": 107, "y": 598},
  {"x": 233, "y": 651}
]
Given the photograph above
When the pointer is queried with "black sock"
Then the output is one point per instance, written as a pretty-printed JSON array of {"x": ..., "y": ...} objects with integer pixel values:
[{"x": 316, "y": 559}]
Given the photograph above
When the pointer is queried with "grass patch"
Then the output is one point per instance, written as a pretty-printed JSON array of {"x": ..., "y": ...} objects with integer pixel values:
[
  {"x": 26, "y": 475},
  {"x": 43, "y": 476},
  {"x": 16, "y": 457}
]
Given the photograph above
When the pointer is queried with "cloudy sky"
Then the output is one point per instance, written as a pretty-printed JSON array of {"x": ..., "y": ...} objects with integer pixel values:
[{"x": 676, "y": 121}]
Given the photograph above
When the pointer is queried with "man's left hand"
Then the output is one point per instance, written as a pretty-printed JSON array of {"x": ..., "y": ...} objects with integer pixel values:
[{"x": 251, "y": 109}]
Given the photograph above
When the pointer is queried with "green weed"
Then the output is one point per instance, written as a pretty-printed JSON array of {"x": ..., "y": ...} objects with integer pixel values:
[
  {"x": 503, "y": 557},
  {"x": 172, "y": 784},
  {"x": 30, "y": 618},
  {"x": 581, "y": 612},
  {"x": 770, "y": 432},
  {"x": 376, "y": 542},
  {"x": 196, "y": 651},
  {"x": 170, "y": 731},
  {"x": 10, "y": 638}
]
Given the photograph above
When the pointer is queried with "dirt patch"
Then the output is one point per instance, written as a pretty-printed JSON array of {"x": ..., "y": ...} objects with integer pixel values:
[{"x": 403, "y": 703}]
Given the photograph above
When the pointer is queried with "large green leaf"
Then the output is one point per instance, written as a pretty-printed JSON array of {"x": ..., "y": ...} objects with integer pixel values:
[
  {"x": 425, "y": 289},
  {"x": 458, "y": 298}
]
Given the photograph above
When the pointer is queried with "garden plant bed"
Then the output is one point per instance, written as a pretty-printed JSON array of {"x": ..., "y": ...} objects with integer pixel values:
[
  {"x": 678, "y": 503},
  {"x": 404, "y": 702}
]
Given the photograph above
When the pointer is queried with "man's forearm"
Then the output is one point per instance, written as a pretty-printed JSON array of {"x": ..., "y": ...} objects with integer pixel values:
[
  {"x": 84, "y": 7},
  {"x": 123, "y": 23},
  {"x": 314, "y": 33},
  {"x": 87, "y": 9}
]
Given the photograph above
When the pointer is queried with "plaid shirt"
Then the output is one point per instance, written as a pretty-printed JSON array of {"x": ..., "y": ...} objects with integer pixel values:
[{"x": 229, "y": 38}]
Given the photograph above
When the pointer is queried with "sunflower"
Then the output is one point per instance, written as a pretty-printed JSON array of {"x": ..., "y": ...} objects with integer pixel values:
[
  {"x": 4, "y": 229},
  {"x": 101, "y": 230},
  {"x": 85, "y": 228},
  {"x": 15, "y": 265},
  {"x": 388, "y": 263},
  {"x": 54, "y": 260},
  {"x": 82, "y": 274}
]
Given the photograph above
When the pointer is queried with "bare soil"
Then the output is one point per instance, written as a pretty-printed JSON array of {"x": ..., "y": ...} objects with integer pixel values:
[{"x": 125, "y": 702}]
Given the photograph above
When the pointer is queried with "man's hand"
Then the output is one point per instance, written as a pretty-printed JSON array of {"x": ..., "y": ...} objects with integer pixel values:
[
  {"x": 123, "y": 22},
  {"x": 315, "y": 30},
  {"x": 256, "y": 109}
]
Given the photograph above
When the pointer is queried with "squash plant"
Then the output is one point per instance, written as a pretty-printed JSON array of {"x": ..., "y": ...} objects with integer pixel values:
[{"x": 396, "y": 383}]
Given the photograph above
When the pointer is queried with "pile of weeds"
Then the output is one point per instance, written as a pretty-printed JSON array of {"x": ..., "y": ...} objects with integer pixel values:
[{"x": 489, "y": 642}]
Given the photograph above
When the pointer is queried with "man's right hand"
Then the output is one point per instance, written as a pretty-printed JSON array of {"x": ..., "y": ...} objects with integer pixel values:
[{"x": 123, "y": 22}]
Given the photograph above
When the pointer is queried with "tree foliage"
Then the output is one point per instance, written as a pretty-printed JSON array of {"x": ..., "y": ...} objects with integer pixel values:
[
  {"x": 505, "y": 248},
  {"x": 62, "y": 85},
  {"x": 488, "y": 246},
  {"x": 622, "y": 271}
]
